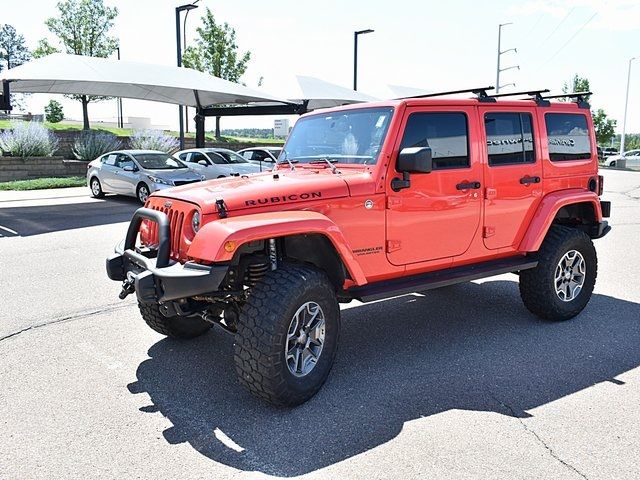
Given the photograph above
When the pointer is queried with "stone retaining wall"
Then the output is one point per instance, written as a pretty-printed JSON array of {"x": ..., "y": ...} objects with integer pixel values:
[{"x": 15, "y": 168}]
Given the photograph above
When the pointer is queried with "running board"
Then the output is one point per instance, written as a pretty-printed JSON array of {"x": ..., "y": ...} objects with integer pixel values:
[{"x": 440, "y": 278}]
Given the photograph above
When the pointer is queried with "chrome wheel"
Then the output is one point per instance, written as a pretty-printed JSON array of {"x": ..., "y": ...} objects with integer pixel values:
[
  {"x": 305, "y": 339},
  {"x": 143, "y": 193},
  {"x": 95, "y": 187},
  {"x": 569, "y": 276}
]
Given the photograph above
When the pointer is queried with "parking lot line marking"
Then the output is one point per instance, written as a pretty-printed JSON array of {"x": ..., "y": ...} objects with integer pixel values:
[
  {"x": 7, "y": 229},
  {"x": 220, "y": 435}
]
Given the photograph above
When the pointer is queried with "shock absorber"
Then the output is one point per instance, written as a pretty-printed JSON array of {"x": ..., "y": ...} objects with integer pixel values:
[{"x": 273, "y": 254}]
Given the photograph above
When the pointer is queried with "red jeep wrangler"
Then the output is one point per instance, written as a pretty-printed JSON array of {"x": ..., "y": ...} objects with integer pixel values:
[{"x": 370, "y": 201}]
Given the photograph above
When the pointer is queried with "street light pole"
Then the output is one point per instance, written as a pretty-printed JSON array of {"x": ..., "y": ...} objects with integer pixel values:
[
  {"x": 355, "y": 55},
  {"x": 626, "y": 104},
  {"x": 187, "y": 7},
  {"x": 120, "y": 116}
]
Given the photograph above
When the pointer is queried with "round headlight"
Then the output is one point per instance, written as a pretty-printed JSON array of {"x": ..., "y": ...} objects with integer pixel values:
[{"x": 195, "y": 221}]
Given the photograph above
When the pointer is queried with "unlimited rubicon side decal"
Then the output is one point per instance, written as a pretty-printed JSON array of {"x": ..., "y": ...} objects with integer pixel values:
[{"x": 283, "y": 198}]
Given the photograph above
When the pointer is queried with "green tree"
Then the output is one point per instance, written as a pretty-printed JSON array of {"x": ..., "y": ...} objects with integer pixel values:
[
  {"x": 216, "y": 52},
  {"x": 577, "y": 84},
  {"x": 53, "y": 111},
  {"x": 605, "y": 127},
  {"x": 82, "y": 28},
  {"x": 13, "y": 52}
]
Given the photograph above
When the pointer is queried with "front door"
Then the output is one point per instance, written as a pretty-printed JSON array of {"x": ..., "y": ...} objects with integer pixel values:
[
  {"x": 438, "y": 215},
  {"x": 513, "y": 175}
]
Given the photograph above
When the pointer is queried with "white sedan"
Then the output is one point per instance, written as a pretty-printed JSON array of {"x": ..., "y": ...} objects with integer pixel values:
[
  {"x": 216, "y": 162},
  {"x": 631, "y": 157}
]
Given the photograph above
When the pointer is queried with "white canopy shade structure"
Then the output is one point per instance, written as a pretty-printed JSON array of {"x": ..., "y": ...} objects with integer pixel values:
[
  {"x": 75, "y": 74},
  {"x": 321, "y": 94}
]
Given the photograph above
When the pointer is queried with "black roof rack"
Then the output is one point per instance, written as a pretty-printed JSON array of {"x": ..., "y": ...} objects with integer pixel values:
[
  {"x": 480, "y": 92},
  {"x": 581, "y": 98},
  {"x": 532, "y": 93}
]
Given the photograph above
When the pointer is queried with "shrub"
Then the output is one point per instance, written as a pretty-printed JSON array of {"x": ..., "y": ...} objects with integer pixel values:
[
  {"x": 28, "y": 139},
  {"x": 53, "y": 112},
  {"x": 90, "y": 145},
  {"x": 153, "y": 140}
]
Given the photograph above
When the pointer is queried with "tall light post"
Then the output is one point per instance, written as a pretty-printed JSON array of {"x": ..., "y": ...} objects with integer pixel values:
[
  {"x": 181, "y": 8},
  {"x": 355, "y": 55},
  {"x": 500, "y": 53},
  {"x": 120, "y": 116},
  {"x": 626, "y": 104}
]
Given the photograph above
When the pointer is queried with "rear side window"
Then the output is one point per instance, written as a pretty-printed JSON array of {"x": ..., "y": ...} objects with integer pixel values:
[
  {"x": 509, "y": 138},
  {"x": 568, "y": 136},
  {"x": 110, "y": 159},
  {"x": 446, "y": 134}
]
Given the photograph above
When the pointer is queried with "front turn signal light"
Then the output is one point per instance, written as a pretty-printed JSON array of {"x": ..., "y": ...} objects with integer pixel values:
[{"x": 229, "y": 246}]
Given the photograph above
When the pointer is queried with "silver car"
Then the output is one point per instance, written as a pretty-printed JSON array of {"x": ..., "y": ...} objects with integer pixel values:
[
  {"x": 631, "y": 159},
  {"x": 266, "y": 157},
  {"x": 216, "y": 162},
  {"x": 137, "y": 173}
]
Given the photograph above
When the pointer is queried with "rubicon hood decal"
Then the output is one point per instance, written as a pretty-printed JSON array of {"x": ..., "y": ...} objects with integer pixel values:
[{"x": 284, "y": 198}]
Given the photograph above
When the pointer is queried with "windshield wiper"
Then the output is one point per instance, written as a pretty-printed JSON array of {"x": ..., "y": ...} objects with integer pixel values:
[
  {"x": 328, "y": 161},
  {"x": 285, "y": 158}
]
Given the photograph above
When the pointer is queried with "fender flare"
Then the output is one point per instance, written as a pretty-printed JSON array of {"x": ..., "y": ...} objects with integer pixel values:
[
  {"x": 208, "y": 244},
  {"x": 547, "y": 210}
]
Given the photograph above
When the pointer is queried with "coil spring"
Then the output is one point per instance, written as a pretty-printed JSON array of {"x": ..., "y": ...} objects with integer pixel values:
[{"x": 255, "y": 272}]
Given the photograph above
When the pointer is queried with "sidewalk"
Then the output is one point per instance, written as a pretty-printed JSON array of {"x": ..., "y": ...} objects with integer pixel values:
[{"x": 46, "y": 194}]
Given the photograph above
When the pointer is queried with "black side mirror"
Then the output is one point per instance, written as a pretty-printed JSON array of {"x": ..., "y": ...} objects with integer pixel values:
[{"x": 415, "y": 160}]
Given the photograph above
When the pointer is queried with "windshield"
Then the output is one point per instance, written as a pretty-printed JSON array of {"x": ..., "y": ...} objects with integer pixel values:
[
  {"x": 158, "y": 161},
  {"x": 228, "y": 156},
  {"x": 350, "y": 136}
]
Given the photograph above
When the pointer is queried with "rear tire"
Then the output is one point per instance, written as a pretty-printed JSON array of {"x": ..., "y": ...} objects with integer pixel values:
[
  {"x": 96, "y": 188},
  {"x": 287, "y": 335},
  {"x": 174, "y": 327},
  {"x": 561, "y": 285}
]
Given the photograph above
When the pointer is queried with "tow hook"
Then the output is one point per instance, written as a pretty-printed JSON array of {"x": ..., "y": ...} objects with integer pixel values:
[{"x": 127, "y": 288}]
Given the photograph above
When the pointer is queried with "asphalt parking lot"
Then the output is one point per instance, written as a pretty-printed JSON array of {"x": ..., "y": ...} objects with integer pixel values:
[{"x": 458, "y": 383}]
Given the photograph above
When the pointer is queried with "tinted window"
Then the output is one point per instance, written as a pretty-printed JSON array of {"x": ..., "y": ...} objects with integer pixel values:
[
  {"x": 445, "y": 133},
  {"x": 125, "y": 161},
  {"x": 183, "y": 156},
  {"x": 568, "y": 136},
  {"x": 230, "y": 156},
  {"x": 509, "y": 138}
]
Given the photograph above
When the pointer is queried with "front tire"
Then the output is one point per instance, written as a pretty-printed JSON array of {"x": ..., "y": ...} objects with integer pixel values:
[
  {"x": 287, "y": 335},
  {"x": 561, "y": 285},
  {"x": 174, "y": 327},
  {"x": 142, "y": 192}
]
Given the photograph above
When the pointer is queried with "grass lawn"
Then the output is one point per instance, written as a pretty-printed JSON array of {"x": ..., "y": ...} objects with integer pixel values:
[{"x": 42, "y": 183}]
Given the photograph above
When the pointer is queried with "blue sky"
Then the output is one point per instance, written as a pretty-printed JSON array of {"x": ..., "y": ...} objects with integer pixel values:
[{"x": 422, "y": 44}]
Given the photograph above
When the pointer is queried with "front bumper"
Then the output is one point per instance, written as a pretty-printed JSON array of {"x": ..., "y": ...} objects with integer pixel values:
[{"x": 153, "y": 276}]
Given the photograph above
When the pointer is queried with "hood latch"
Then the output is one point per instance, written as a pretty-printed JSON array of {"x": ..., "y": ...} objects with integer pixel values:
[{"x": 222, "y": 208}]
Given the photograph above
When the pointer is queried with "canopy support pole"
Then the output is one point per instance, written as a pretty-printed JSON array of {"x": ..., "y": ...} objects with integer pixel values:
[
  {"x": 199, "y": 119},
  {"x": 5, "y": 98}
]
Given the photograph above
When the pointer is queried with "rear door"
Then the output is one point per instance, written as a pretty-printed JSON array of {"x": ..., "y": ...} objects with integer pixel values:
[
  {"x": 513, "y": 174},
  {"x": 438, "y": 215}
]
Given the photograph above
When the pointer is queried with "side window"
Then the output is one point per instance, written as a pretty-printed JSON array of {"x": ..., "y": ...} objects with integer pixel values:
[
  {"x": 217, "y": 158},
  {"x": 197, "y": 156},
  {"x": 446, "y": 134},
  {"x": 110, "y": 159},
  {"x": 183, "y": 157},
  {"x": 568, "y": 136},
  {"x": 509, "y": 138},
  {"x": 248, "y": 154},
  {"x": 260, "y": 155},
  {"x": 125, "y": 161}
]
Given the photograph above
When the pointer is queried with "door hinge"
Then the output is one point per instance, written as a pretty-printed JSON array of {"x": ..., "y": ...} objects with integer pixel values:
[
  {"x": 393, "y": 245},
  {"x": 488, "y": 232},
  {"x": 490, "y": 193},
  {"x": 393, "y": 202}
]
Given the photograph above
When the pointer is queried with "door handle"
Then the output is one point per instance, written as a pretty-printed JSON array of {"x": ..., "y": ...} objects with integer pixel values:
[
  {"x": 526, "y": 180},
  {"x": 468, "y": 185}
]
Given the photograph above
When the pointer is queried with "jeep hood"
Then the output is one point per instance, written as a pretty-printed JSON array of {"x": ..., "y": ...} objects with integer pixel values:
[{"x": 261, "y": 190}]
